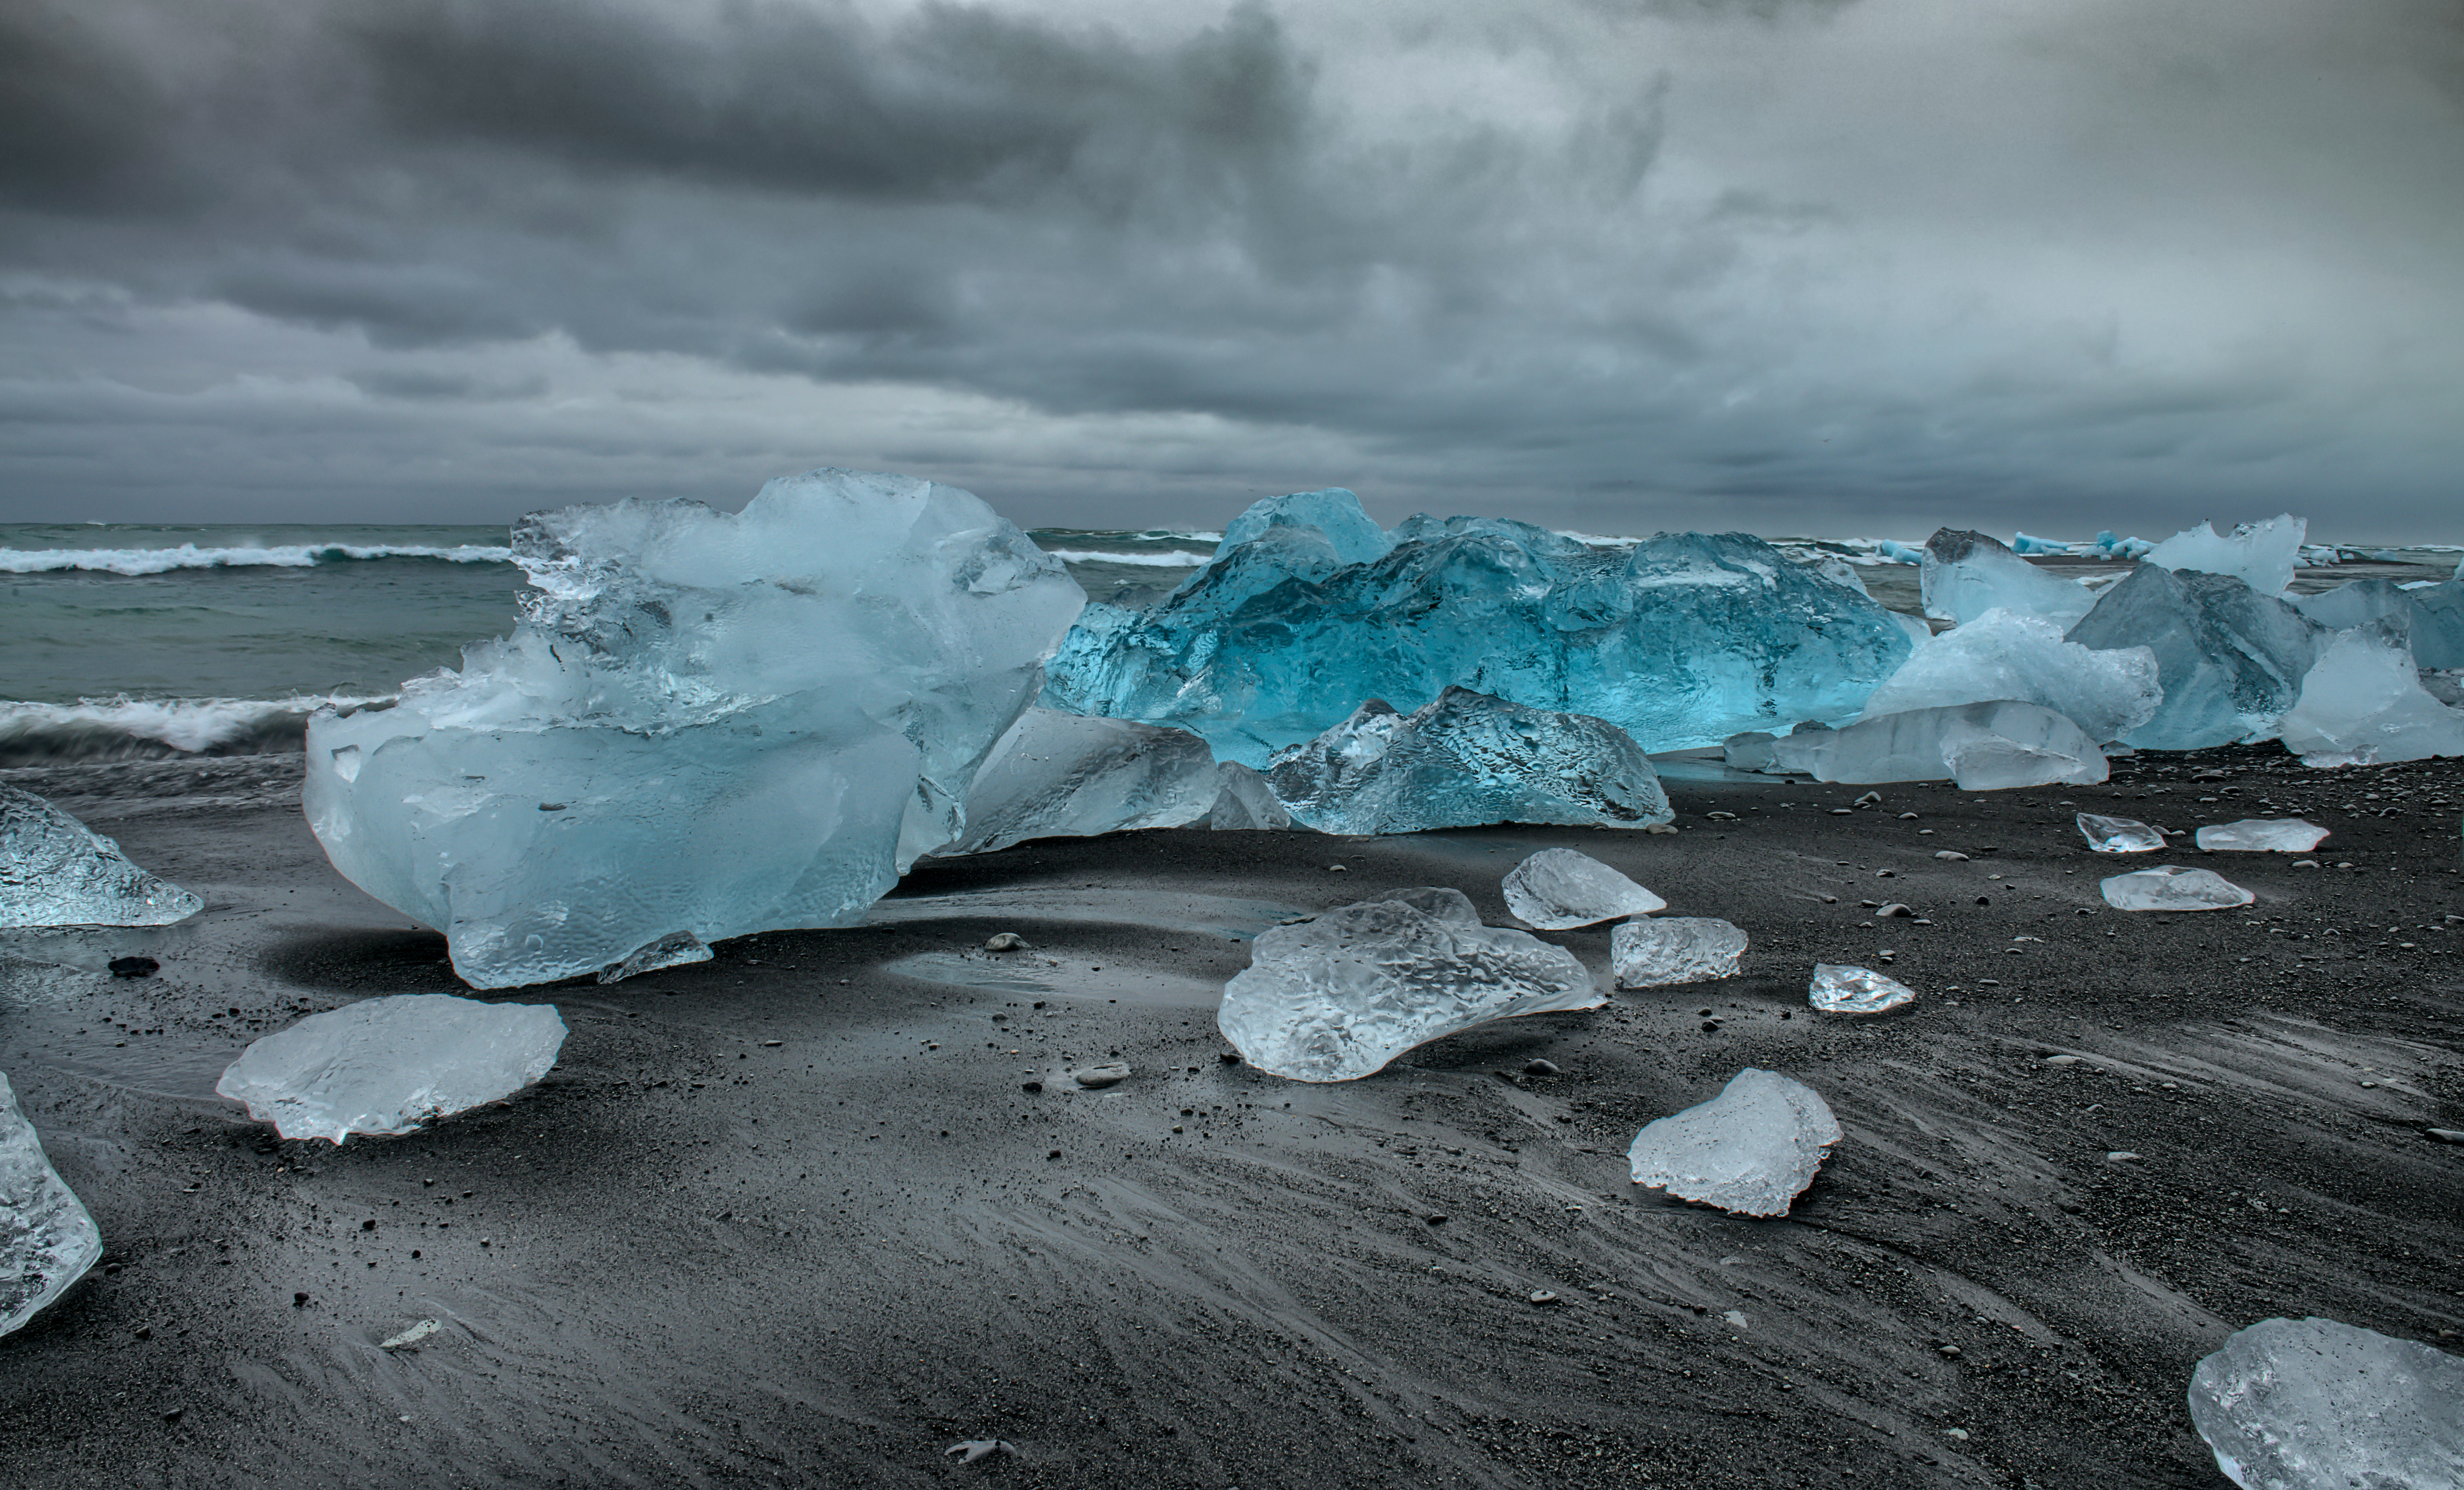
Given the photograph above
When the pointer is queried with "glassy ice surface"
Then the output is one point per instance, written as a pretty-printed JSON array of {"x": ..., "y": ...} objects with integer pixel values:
[
  {"x": 2119, "y": 834},
  {"x": 2171, "y": 887},
  {"x": 2262, "y": 835},
  {"x": 1751, "y": 750},
  {"x": 1750, "y": 1151},
  {"x": 388, "y": 1065},
  {"x": 2316, "y": 1405},
  {"x": 1243, "y": 799},
  {"x": 46, "y": 1240},
  {"x": 1334, "y": 513},
  {"x": 705, "y": 723},
  {"x": 675, "y": 949},
  {"x": 56, "y": 873},
  {"x": 1966, "y": 574},
  {"x": 1466, "y": 760},
  {"x": 2261, "y": 555},
  {"x": 2229, "y": 659},
  {"x": 1559, "y": 888},
  {"x": 2364, "y": 703},
  {"x": 1071, "y": 775},
  {"x": 1838, "y": 990},
  {"x": 1338, "y": 997},
  {"x": 1983, "y": 746},
  {"x": 2003, "y": 654},
  {"x": 1661, "y": 951}
]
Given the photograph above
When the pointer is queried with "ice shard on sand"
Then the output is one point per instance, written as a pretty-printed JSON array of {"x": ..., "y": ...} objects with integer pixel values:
[
  {"x": 1982, "y": 746},
  {"x": 46, "y": 1240},
  {"x": 2171, "y": 887},
  {"x": 1750, "y": 1151},
  {"x": 56, "y": 873},
  {"x": 2261, "y": 835},
  {"x": 2317, "y": 1405},
  {"x": 391, "y": 1064},
  {"x": 1840, "y": 989},
  {"x": 2118, "y": 835},
  {"x": 1556, "y": 889},
  {"x": 1662, "y": 951}
]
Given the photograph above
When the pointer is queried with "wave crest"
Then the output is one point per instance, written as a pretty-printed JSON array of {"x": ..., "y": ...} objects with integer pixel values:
[
  {"x": 122, "y": 728},
  {"x": 188, "y": 556}
]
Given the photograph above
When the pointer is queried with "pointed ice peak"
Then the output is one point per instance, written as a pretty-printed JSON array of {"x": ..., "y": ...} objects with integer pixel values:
[
  {"x": 2261, "y": 555},
  {"x": 56, "y": 873}
]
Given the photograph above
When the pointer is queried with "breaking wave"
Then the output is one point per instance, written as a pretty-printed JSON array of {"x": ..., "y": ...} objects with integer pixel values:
[
  {"x": 188, "y": 556},
  {"x": 122, "y": 728},
  {"x": 1177, "y": 559}
]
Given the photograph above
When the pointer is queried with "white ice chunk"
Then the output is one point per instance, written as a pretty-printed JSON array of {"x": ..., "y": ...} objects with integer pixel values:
[
  {"x": 1338, "y": 997},
  {"x": 1966, "y": 575},
  {"x": 2171, "y": 887},
  {"x": 1559, "y": 888},
  {"x": 1657, "y": 952},
  {"x": 2364, "y": 704},
  {"x": 2261, "y": 835},
  {"x": 1838, "y": 990},
  {"x": 2002, "y": 655},
  {"x": 1984, "y": 747},
  {"x": 1243, "y": 800},
  {"x": 1750, "y": 1151},
  {"x": 2118, "y": 835},
  {"x": 387, "y": 1065},
  {"x": 2316, "y": 1405},
  {"x": 1073, "y": 775},
  {"x": 705, "y": 723},
  {"x": 54, "y": 873},
  {"x": 2261, "y": 555},
  {"x": 46, "y": 1240}
]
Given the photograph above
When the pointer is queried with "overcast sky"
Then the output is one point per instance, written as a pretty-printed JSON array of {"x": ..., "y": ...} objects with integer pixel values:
[{"x": 1792, "y": 266}]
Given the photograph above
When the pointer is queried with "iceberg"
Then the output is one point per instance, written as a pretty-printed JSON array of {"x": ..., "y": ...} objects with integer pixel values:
[
  {"x": 1659, "y": 952},
  {"x": 1558, "y": 889},
  {"x": 2317, "y": 1405},
  {"x": 388, "y": 1065},
  {"x": 705, "y": 723},
  {"x": 2171, "y": 888},
  {"x": 2261, "y": 835},
  {"x": 1983, "y": 746},
  {"x": 2021, "y": 543},
  {"x": 1071, "y": 775},
  {"x": 1336, "y": 514},
  {"x": 1463, "y": 761},
  {"x": 1337, "y": 998},
  {"x": 1750, "y": 1151},
  {"x": 2003, "y": 654},
  {"x": 2229, "y": 659},
  {"x": 46, "y": 1238},
  {"x": 2113, "y": 548},
  {"x": 2363, "y": 703},
  {"x": 2119, "y": 834},
  {"x": 1966, "y": 574},
  {"x": 2262, "y": 555},
  {"x": 54, "y": 873},
  {"x": 1838, "y": 989},
  {"x": 1243, "y": 800}
]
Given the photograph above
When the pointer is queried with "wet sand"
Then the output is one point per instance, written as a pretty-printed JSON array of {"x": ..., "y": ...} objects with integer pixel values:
[{"x": 791, "y": 1217}]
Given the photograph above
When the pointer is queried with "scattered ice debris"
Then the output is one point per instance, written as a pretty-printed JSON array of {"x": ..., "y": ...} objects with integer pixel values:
[
  {"x": 54, "y": 873},
  {"x": 1750, "y": 1151},
  {"x": 2230, "y": 661},
  {"x": 711, "y": 723},
  {"x": 46, "y": 1240},
  {"x": 1982, "y": 746},
  {"x": 975, "y": 1450},
  {"x": 2363, "y": 703},
  {"x": 1556, "y": 889},
  {"x": 1069, "y": 775},
  {"x": 2004, "y": 654},
  {"x": 2118, "y": 835},
  {"x": 1466, "y": 760},
  {"x": 2262, "y": 835},
  {"x": 2261, "y": 555},
  {"x": 675, "y": 949},
  {"x": 1840, "y": 989},
  {"x": 387, "y": 1065},
  {"x": 2316, "y": 1405},
  {"x": 1653, "y": 952},
  {"x": 1966, "y": 575},
  {"x": 1337, "y": 998},
  {"x": 1243, "y": 800},
  {"x": 411, "y": 1336},
  {"x": 2171, "y": 888}
]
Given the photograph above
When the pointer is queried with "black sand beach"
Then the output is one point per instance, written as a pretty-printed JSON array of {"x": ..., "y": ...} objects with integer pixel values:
[{"x": 791, "y": 1217}]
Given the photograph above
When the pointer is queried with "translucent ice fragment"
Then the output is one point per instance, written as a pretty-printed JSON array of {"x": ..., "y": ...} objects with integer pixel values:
[
  {"x": 1750, "y": 1151},
  {"x": 1840, "y": 572},
  {"x": 1838, "y": 989},
  {"x": 1659, "y": 951},
  {"x": 2262, "y": 835},
  {"x": 2364, "y": 703},
  {"x": 2229, "y": 659},
  {"x": 1069, "y": 775},
  {"x": 2261, "y": 555},
  {"x": 1466, "y": 760},
  {"x": 2119, "y": 834},
  {"x": 2002, "y": 655},
  {"x": 1354, "y": 536},
  {"x": 2171, "y": 888},
  {"x": 2316, "y": 1405},
  {"x": 54, "y": 873},
  {"x": 46, "y": 1240},
  {"x": 1338, "y": 997},
  {"x": 387, "y": 1065},
  {"x": 2430, "y": 616},
  {"x": 1966, "y": 575},
  {"x": 1984, "y": 747},
  {"x": 1243, "y": 800},
  {"x": 1749, "y": 750},
  {"x": 675, "y": 949},
  {"x": 1558, "y": 888}
]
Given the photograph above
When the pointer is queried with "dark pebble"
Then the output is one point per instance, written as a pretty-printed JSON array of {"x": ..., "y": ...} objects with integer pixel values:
[
  {"x": 1030, "y": 1087},
  {"x": 1541, "y": 1068},
  {"x": 135, "y": 967}
]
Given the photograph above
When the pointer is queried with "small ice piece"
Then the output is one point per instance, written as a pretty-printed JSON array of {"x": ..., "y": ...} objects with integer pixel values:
[
  {"x": 54, "y": 873},
  {"x": 1556, "y": 889},
  {"x": 1657, "y": 952},
  {"x": 2261, "y": 555},
  {"x": 1838, "y": 989},
  {"x": 2003, "y": 654},
  {"x": 1466, "y": 760},
  {"x": 1748, "y": 750},
  {"x": 46, "y": 1240},
  {"x": 2317, "y": 1405},
  {"x": 2261, "y": 835},
  {"x": 2364, "y": 704},
  {"x": 675, "y": 949},
  {"x": 1749, "y": 1150},
  {"x": 1983, "y": 746},
  {"x": 1966, "y": 575},
  {"x": 387, "y": 1065},
  {"x": 1243, "y": 800},
  {"x": 2171, "y": 887},
  {"x": 1337, "y": 998},
  {"x": 2119, "y": 834},
  {"x": 2230, "y": 661},
  {"x": 1056, "y": 775}
]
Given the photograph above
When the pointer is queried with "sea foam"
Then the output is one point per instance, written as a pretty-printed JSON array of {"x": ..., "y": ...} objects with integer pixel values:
[{"x": 188, "y": 556}]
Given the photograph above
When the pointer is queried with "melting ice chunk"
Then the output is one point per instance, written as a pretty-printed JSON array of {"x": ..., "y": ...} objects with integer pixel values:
[
  {"x": 46, "y": 1240},
  {"x": 54, "y": 873},
  {"x": 1838, "y": 990},
  {"x": 1656, "y": 952},
  {"x": 2262, "y": 835},
  {"x": 1070, "y": 775},
  {"x": 1558, "y": 888},
  {"x": 2261, "y": 555},
  {"x": 2230, "y": 661},
  {"x": 2119, "y": 834},
  {"x": 1749, "y": 1150},
  {"x": 1466, "y": 760},
  {"x": 1983, "y": 746},
  {"x": 387, "y": 1065},
  {"x": 1338, "y": 997},
  {"x": 2316, "y": 1405},
  {"x": 1334, "y": 512},
  {"x": 2364, "y": 703},
  {"x": 2171, "y": 887},
  {"x": 2002, "y": 655},
  {"x": 1966, "y": 575}
]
